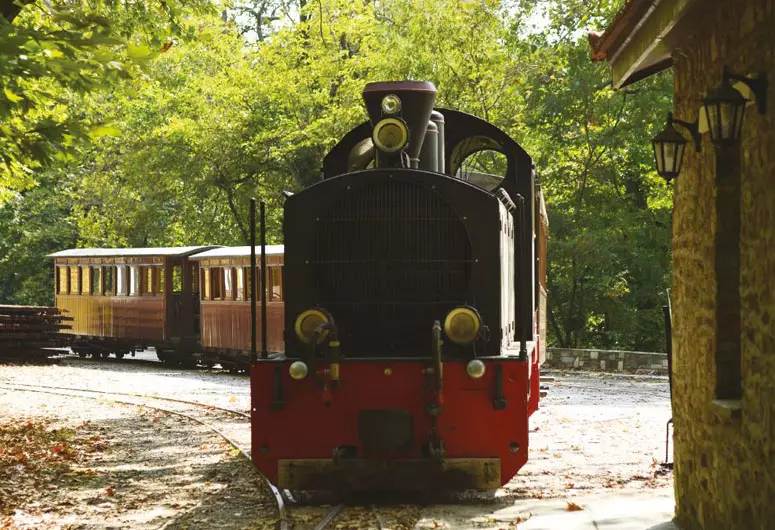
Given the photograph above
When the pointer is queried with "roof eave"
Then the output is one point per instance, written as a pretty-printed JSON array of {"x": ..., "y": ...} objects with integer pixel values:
[{"x": 635, "y": 45}]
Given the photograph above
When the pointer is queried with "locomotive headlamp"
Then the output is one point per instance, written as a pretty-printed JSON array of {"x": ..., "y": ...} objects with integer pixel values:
[
  {"x": 462, "y": 325},
  {"x": 298, "y": 370},
  {"x": 475, "y": 369},
  {"x": 306, "y": 324},
  {"x": 391, "y": 104},
  {"x": 390, "y": 135}
]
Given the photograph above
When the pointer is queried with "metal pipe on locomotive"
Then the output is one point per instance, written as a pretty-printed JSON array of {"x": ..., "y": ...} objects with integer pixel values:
[{"x": 414, "y": 297}]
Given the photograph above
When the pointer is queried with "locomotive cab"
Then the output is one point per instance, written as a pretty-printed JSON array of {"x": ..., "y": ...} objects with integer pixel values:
[{"x": 411, "y": 310}]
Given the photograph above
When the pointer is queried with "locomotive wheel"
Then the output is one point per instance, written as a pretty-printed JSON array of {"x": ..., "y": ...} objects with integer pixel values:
[
  {"x": 82, "y": 354},
  {"x": 119, "y": 355}
]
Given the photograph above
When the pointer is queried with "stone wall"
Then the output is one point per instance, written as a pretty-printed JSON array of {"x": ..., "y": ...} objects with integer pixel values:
[
  {"x": 606, "y": 360},
  {"x": 724, "y": 450}
]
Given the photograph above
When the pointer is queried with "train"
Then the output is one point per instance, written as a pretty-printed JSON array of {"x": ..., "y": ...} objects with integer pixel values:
[
  {"x": 192, "y": 304},
  {"x": 415, "y": 301},
  {"x": 406, "y": 308}
]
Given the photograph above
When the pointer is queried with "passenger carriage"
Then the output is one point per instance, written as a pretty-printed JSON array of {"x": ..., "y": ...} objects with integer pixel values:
[
  {"x": 123, "y": 300},
  {"x": 224, "y": 274}
]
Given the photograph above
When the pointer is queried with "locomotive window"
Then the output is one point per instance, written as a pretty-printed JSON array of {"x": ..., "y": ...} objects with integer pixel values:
[
  {"x": 276, "y": 284},
  {"x": 361, "y": 156},
  {"x": 75, "y": 280},
  {"x": 86, "y": 281},
  {"x": 110, "y": 278},
  {"x": 485, "y": 168},
  {"x": 177, "y": 279},
  {"x": 96, "y": 281},
  {"x": 62, "y": 286},
  {"x": 479, "y": 160},
  {"x": 240, "y": 285},
  {"x": 122, "y": 280},
  {"x": 160, "y": 280}
]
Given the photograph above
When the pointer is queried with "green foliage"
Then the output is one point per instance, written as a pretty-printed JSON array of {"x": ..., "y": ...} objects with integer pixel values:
[
  {"x": 50, "y": 53},
  {"x": 181, "y": 140},
  {"x": 609, "y": 212}
]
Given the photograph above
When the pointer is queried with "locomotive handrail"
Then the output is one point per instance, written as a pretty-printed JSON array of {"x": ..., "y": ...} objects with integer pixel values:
[{"x": 438, "y": 378}]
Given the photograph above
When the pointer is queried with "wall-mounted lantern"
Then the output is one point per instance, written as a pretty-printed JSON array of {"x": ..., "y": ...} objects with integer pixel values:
[
  {"x": 724, "y": 106},
  {"x": 669, "y": 147},
  {"x": 722, "y": 111}
]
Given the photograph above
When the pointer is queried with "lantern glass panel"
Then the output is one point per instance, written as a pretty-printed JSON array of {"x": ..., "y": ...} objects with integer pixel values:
[
  {"x": 738, "y": 125},
  {"x": 712, "y": 117},
  {"x": 728, "y": 112},
  {"x": 679, "y": 157},
  {"x": 659, "y": 156}
]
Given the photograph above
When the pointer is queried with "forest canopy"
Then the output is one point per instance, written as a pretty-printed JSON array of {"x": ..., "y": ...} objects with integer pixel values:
[{"x": 153, "y": 123}]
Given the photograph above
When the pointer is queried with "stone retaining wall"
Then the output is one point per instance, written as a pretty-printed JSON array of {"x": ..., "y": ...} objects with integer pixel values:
[{"x": 606, "y": 360}]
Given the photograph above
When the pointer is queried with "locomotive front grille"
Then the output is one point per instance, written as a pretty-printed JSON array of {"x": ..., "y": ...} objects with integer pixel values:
[{"x": 389, "y": 259}]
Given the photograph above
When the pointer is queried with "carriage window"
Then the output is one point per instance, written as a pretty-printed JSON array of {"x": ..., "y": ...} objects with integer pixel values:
[
  {"x": 177, "y": 279},
  {"x": 121, "y": 280},
  {"x": 216, "y": 276},
  {"x": 146, "y": 284},
  {"x": 86, "y": 280},
  {"x": 75, "y": 277},
  {"x": 227, "y": 287},
  {"x": 276, "y": 284},
  {"x": 62, "y": 286},
  {"x": 158, "y": 280},
  {"x": 96, "y": 281},
  {"x": 246, "y": 277},
  {"x": 110, "y": 279},
  {"x": 240, "y": 284},
  {"x": 134, "y": 280},
  {"x": 206, "y": 284}
]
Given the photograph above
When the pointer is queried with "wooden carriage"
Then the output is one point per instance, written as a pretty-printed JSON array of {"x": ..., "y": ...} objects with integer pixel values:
[
  {"x": 224, "y": 274},
  {"x": 124, "y": 299}
]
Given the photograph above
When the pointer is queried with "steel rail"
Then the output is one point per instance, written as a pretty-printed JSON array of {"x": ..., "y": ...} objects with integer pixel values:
[
  {"x": 330, "y": 516},
  {"x": 134, "y": 394},
  {"x": 283, "y": 518},
  {"x": 378, "y": 517}
]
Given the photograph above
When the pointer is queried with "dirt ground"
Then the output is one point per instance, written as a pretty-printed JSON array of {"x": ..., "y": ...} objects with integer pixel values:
[{"x": 103, "y": 465}]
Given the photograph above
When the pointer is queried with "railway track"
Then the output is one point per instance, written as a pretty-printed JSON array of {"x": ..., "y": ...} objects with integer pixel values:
[
  {"x": 291, "y": 514},
  {"x": 200, "y": 413}
]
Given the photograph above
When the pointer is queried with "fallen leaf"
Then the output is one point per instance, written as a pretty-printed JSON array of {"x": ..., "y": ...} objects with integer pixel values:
[
  {"x": 110, "y": 491},
  {"x": 573, "y": 507}
]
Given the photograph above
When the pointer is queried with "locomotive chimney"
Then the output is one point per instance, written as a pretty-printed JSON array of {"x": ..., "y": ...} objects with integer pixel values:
[{"x": 399, "y": 112}]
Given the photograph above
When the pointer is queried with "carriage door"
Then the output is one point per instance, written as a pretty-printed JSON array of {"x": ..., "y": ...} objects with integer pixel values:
[{"x": 175, "y": 298}]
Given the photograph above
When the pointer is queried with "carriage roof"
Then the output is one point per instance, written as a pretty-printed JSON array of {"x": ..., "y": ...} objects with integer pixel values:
[
  {"x": 130, "y": 252},
  {"x": 239, "y": 252}
]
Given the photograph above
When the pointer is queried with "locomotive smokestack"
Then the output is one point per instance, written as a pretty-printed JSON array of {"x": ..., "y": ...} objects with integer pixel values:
[{"x": 399, "y": 112}]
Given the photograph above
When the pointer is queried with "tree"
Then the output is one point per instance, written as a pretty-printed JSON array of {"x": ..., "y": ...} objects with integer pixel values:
[
  {"x": 217, "y": 119},
  {"x": 53, "y": 49},
  {"x": 609, "y": 213}
]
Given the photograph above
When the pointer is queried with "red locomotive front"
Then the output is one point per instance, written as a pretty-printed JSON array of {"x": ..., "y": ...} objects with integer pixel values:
[{"x": 413, "y": 281}]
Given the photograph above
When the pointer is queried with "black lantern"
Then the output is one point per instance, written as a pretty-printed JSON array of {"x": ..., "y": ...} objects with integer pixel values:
[
  {"x": 669, "y": 150},
  {"x": 724, "y": 109}
]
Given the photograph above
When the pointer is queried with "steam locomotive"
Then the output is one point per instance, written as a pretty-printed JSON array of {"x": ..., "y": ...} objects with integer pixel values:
[{"x": 414, "y": 290}]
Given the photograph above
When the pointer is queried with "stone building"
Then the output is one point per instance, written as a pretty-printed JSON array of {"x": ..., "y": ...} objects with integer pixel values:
[{"x": 723, "y": 251}]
